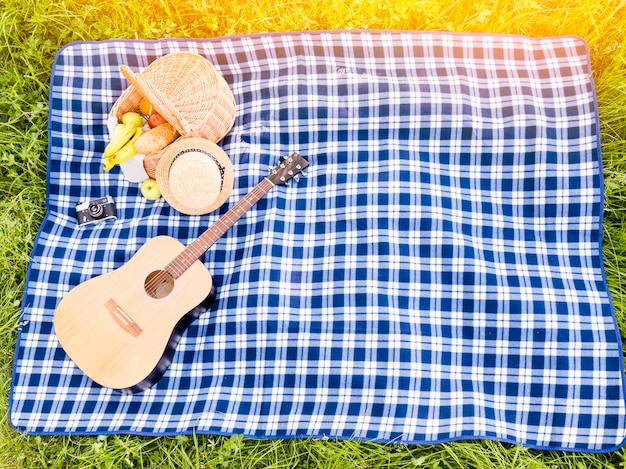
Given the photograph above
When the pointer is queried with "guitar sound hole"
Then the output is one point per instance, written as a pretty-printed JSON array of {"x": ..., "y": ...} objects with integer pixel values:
[{"x": 159, "y": 284}]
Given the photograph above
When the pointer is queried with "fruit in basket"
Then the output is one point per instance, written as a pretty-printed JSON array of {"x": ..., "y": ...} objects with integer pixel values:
[
  {"x": 120, "y": 136},
  {"x": 150, "y": 189},
  {"x": 145, "y": 107},
  {"x": 132, "y": 118},
  {"x": 127, "y": 151},
  {"x": 156, "y": 139},
  {"x": 121, "y": 147},
  {"x": 155, "y": 120},
  {"x": 123, "y": 133}
]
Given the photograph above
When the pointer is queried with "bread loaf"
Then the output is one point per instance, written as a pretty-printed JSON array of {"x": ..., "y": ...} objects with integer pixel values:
[{"x": 156, "y": 139}]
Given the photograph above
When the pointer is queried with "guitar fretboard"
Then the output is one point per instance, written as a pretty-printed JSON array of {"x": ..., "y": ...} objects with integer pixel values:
[{"x": 196, "y": 249}]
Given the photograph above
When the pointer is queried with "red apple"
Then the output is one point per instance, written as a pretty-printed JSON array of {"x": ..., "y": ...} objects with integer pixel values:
[{"x": 155, "y": 119}]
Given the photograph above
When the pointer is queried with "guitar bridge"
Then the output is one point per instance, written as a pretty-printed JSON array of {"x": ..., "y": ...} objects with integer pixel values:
[{"x": 122, "y": 319}]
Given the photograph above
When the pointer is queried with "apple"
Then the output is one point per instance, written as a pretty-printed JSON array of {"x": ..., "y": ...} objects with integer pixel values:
[
  {"x": 150, "y": 189},
  {"x": 132, "y": 118},
  {"x": 155, "y": 120}
]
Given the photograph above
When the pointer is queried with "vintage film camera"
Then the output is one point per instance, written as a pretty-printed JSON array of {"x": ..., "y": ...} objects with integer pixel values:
[{"x": 95, "y": 211}]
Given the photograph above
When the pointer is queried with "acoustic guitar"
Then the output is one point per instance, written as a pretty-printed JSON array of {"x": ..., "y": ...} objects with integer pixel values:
[{"x": 121, "y": 328}]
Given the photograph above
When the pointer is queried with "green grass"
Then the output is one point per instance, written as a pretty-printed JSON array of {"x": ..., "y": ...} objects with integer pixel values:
[{"x": 32, "y": 31}]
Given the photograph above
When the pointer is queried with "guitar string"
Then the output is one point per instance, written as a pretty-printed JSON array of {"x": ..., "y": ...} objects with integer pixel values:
[
  {"x": 184, "y": 260},
  {"x": 190, "y": 254},
  {"x": 181, "y": 262}
]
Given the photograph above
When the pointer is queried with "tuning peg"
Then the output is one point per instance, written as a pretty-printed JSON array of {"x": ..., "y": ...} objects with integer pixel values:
[{"x": 296, "y": 178}]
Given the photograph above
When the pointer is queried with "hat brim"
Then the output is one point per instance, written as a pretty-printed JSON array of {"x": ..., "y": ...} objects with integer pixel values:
[{"x": 195, "y": 176}]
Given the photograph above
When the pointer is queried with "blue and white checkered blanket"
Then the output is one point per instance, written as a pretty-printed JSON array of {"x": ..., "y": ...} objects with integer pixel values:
[{"x": 436, "y": 276}]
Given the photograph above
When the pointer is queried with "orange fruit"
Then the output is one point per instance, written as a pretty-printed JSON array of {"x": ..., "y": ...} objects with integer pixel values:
[{"x": 145, "y": 107}]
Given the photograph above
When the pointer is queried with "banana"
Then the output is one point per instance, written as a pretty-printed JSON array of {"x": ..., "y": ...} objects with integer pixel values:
[
  {"x": 108, "y": 164},
  {"x": 119, "y": 139},
  {"x": 128, "y": 150},
  {"x": 123, "y": 133}
]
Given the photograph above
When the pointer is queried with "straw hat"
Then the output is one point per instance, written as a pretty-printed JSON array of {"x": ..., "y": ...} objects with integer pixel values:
[
  {"x": 187, "y": 91},
  {"x": 195, "y": 176}
]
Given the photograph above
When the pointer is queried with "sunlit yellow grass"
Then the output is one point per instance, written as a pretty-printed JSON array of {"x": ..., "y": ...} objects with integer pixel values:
[{"x": 600, "y": 22}]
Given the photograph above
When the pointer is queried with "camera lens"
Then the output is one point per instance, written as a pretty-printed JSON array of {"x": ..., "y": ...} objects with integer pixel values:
[{"x": 96, "y": 210}]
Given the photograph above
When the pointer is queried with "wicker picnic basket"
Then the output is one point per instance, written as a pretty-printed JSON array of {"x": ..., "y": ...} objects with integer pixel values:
[{"x": 187, "y": 91}]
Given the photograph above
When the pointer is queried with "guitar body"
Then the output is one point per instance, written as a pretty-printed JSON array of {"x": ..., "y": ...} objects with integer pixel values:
[{"x": 120, "y": 328}]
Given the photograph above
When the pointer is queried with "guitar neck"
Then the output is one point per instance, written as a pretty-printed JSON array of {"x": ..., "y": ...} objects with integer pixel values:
[{"x": 196, "y": 249}]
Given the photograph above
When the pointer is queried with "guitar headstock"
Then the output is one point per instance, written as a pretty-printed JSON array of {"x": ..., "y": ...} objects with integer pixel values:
[{"x": 287, "y": 169}]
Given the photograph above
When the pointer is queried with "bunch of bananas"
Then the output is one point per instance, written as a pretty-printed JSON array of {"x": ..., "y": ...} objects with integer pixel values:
[{"x": 122, "y": 144}]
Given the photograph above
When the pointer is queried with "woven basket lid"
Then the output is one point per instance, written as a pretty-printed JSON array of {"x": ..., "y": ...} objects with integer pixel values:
[
  {"x": 195, "y": 176},
  {"x": 187, "y": 91}
]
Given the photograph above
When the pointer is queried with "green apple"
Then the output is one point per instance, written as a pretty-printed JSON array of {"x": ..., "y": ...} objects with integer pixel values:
[
  {"x": 150, "y": 190},
  {"x": 132, "y": 118}
]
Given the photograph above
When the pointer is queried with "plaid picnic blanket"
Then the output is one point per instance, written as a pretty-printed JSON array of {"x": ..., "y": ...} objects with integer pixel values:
[{"x": 437, "y": 275}]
